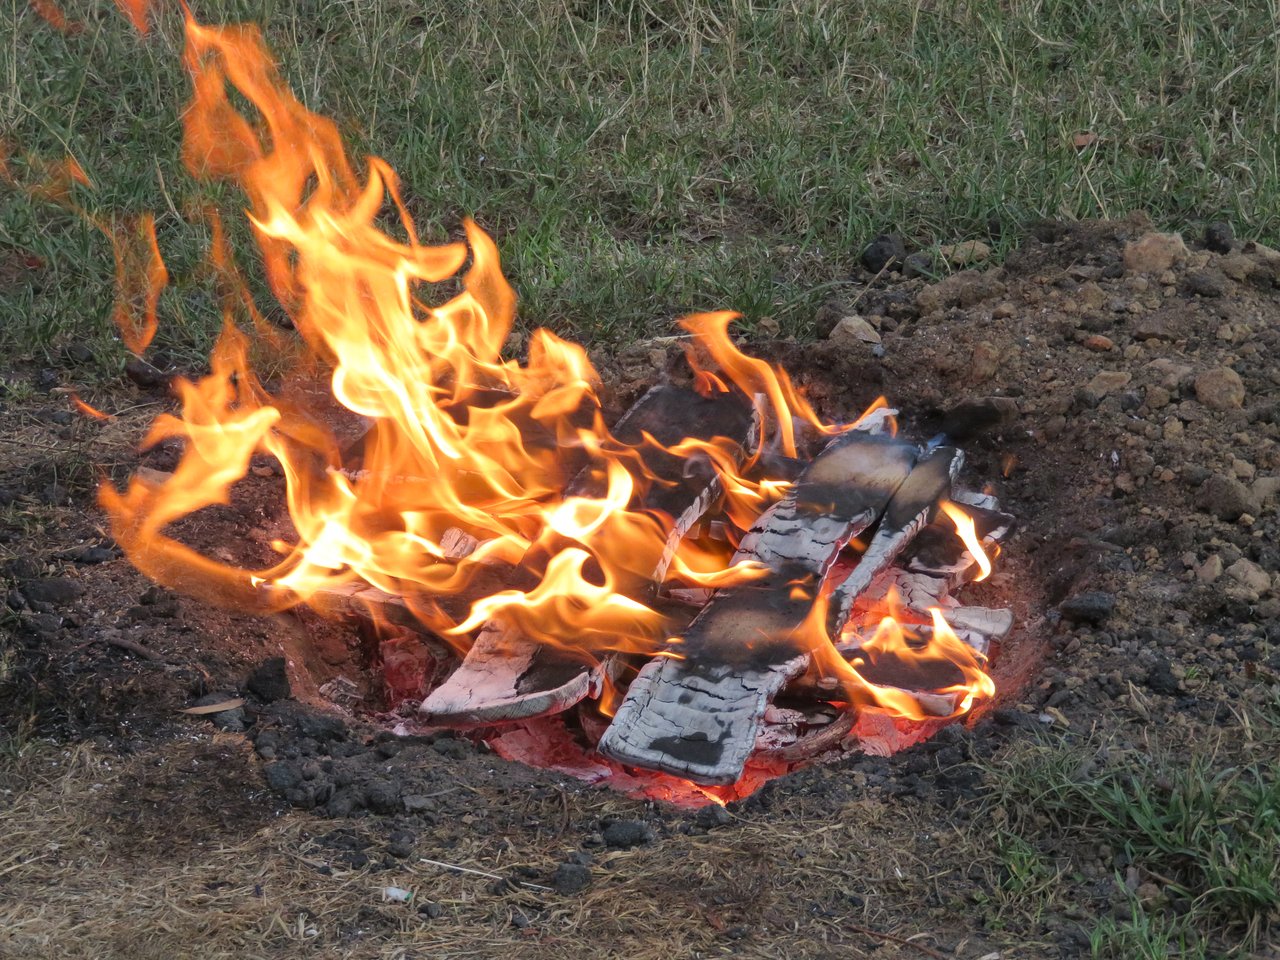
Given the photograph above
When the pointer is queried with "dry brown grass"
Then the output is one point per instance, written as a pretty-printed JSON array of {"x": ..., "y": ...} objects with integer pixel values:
[{"x": 175, "y": 851}]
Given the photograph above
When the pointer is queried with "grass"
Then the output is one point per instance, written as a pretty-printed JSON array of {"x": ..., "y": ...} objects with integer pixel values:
[
  {"x": 1193, "y": 839},
  {"x": 641, "y": 159}
]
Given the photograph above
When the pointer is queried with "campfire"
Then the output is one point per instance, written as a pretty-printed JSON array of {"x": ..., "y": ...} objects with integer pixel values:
[{"x": 683, "y": 601}]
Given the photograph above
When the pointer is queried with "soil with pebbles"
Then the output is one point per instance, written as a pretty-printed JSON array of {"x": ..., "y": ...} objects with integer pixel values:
[{"x": 1118, "y": 387}]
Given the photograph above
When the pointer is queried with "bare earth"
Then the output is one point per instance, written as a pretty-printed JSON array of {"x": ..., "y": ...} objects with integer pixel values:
[{"x": 1141, "y": 462}]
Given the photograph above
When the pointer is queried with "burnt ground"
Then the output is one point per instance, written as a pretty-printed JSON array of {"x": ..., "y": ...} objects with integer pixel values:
[{"x": 1123, "y": 396}]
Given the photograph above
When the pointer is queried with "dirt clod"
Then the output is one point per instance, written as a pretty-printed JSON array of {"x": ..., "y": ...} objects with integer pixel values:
[
  {"x": 1092, "y": 607},
  {"x": 624, "y": 834},
  {"x": 571, "y": 878}
]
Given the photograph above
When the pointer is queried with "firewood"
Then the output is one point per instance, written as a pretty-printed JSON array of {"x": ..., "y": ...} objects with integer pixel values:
[
  {"x": 911, "y": 509},
  {"x": 697, "y": 712}
]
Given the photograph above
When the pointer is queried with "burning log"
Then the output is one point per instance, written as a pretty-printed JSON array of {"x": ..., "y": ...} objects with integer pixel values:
[
  {"x": 507, "y": 676},
  {"x": 698, "y": 716},
  {"x": 910, "y": 510}
]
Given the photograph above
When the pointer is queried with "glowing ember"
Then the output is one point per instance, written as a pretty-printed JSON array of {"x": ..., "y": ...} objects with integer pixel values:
[{"x": 465, "y": 443}]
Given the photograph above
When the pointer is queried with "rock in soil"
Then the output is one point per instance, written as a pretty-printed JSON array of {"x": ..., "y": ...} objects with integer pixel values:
[
  {"x": 1220, "y": 389},
  {"x": 1226, "y": 498}
]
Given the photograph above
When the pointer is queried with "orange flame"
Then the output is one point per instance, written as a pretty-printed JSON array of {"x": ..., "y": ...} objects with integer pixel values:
[
  {"x": 462, "y": 438},
  {"x": 89, "y": 411},
  {"x": 52, "y": 14},
  {"x": 968, "y": 533},
  {"x": 140, "y": 279},
  {"x": 136, "y": 11}
]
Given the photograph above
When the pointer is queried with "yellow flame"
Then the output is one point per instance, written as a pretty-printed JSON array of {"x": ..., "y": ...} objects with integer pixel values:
[{"x": 967, "y": 532}]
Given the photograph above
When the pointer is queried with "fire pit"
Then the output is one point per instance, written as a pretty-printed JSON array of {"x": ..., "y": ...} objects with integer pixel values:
[{"x": 716, "y": 587}]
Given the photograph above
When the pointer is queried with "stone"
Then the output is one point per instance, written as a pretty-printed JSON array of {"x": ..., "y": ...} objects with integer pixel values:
[
  {"x": 1226, "y": 498},
  {"x": 854, "y": 331},
  {"x": 1207, "y": 283},
  {"x": 1243, "y": 469},
  {"x": 145, "y": 375},
  {"x": 1249, "y": 575},
  {"x": 1098, "y": 343},
  {"x": 570, "y": 878},
  {"x": 623, "y": 834},
  {"x": 1172, "y": 374},
  {"x": 711, "y": 816},
  {"x": 1265, "y": 488},
  {"x": 1090, "y": 297},
  {"x": 965, "y": 254},
  {"x": 1106, "y": 382},
  {"x": 827, "y": 316},
  {"x": 1210, "y": 570},
  {"x": 919, "y": 264},
  {"x": 885, "y": 252},
  {"x": 1091, "y": 607},
  {"x": 1218, "y": 236},
  {"x": 985, "y": 362},
  {"x": 1154, "y": 326},
  {"x": 1154, "y": 252},
  {"x": 1220, "y": 389}
]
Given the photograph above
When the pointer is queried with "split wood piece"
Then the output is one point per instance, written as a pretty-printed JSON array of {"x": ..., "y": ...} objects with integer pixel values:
[
  {"x": 912, "y": 508},
  {"x": 815, "y": 742},
  {"x": 916, "y": 591},
  {"x": 505, "y": 676},
  {"x": 698, "y": 716}
]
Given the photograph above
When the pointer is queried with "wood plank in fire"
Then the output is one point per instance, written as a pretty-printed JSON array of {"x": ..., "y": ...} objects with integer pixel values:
[{"x": 697, "y": 713}]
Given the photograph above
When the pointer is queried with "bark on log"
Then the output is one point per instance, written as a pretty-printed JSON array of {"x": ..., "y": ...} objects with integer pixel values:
[{"x": 698, "y": 716}]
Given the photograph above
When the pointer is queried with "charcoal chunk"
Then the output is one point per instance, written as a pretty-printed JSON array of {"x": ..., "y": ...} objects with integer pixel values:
[
  {"x": 269, "y": 682},
  {"x": 886, "y": 251}
]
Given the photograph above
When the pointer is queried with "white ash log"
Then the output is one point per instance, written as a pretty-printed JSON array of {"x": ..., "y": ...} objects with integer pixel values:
[
  {"x": 505, "y": 679},
  {"x": 699, "y": 716},
  {"x": 913, "y": 506},
  {"x": 457, "y": 544},
  {"x": 973, "y": 498},
  {"x": 506, "y": 676}
]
